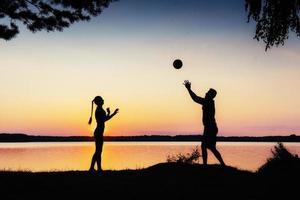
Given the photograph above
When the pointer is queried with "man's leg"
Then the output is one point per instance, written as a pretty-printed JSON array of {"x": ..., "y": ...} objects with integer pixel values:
[
  {"x": 217, "y": 155},
  {"x": 204, "y": 153}
]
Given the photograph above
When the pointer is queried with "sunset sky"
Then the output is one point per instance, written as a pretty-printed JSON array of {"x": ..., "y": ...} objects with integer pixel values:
[{"x": 125, "y": 55}]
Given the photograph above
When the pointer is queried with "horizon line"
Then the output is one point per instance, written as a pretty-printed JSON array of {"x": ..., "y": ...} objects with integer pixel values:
[{"x": 152, "y": 135}]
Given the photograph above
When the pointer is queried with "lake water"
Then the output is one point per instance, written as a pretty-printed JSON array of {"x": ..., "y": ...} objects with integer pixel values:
[{"x": 61, "y": 156}]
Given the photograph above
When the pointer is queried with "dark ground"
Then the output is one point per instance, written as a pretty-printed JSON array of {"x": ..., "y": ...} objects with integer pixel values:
[{"x": 162, "y": 181}]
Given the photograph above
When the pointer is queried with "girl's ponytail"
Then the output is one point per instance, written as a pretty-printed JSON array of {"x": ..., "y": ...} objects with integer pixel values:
[{"x": 90, "y": 121}]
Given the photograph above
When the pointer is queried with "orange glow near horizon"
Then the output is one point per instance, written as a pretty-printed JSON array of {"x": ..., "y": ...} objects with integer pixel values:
[{"x": 246, "y": 104}]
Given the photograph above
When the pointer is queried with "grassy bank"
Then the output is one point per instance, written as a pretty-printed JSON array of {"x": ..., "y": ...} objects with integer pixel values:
[{"x": 165, "y": 180}]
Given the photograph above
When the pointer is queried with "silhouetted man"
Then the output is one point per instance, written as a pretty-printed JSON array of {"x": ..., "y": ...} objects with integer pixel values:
[{"x": 208, "y": 118}]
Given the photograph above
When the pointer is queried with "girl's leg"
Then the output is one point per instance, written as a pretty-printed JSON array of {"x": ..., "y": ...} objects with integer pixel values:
[
  {"x": 99, "y": 155},
  {"x": 94, "y": 159}
]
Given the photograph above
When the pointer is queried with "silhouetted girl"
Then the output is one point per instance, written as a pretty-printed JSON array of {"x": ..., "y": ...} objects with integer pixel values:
[{"x": 101, "y": 117}]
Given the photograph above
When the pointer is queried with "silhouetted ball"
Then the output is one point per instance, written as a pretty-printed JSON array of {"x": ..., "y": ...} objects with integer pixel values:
[{"x": 177, "y": 64}]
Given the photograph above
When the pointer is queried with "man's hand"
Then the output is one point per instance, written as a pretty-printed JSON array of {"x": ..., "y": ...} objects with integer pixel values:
[
  {"x": 108, "y": 110},
  {"x": 187, "y": 84}
]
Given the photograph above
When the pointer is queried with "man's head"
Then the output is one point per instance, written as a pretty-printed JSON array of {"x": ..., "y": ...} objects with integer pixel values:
[{"x": 211, "y": 94}]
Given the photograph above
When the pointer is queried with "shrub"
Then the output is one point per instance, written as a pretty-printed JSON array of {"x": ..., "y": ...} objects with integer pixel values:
[
  {"x": 189, "y": 158},
  {"x": 281, "y": 160}
]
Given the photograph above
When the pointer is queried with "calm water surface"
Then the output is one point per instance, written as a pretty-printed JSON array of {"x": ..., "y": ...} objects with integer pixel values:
[{"x": 61, "y": 156}]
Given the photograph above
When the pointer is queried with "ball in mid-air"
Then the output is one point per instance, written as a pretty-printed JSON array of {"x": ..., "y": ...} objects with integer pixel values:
[{"x": 177, "y": 64}]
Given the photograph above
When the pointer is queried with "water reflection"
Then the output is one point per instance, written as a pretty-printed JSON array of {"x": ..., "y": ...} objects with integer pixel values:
[{"x": 124, "y": 155}]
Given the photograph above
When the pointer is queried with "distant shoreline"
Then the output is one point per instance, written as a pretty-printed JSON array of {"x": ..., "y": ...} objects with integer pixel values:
[{"x": 19, "y": 137}]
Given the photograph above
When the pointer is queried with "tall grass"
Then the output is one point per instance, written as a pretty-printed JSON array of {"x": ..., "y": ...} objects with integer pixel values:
[{"x": 190, "y": 158}]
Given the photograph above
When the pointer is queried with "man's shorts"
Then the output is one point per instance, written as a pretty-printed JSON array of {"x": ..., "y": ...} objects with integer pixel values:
[{"x": 209, "y": 138}]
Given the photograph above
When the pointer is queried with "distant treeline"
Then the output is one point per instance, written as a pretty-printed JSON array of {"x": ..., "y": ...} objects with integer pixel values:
[{"x": 9, "y": 137}]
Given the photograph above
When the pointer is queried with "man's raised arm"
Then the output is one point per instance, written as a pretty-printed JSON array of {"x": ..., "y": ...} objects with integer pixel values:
[{"x": 195, "y": 98}]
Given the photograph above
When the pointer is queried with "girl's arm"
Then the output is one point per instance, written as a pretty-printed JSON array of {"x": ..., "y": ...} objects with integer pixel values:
[
  {"x": 108, "y": 117},
  {"x": 108, "y": 111}
]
